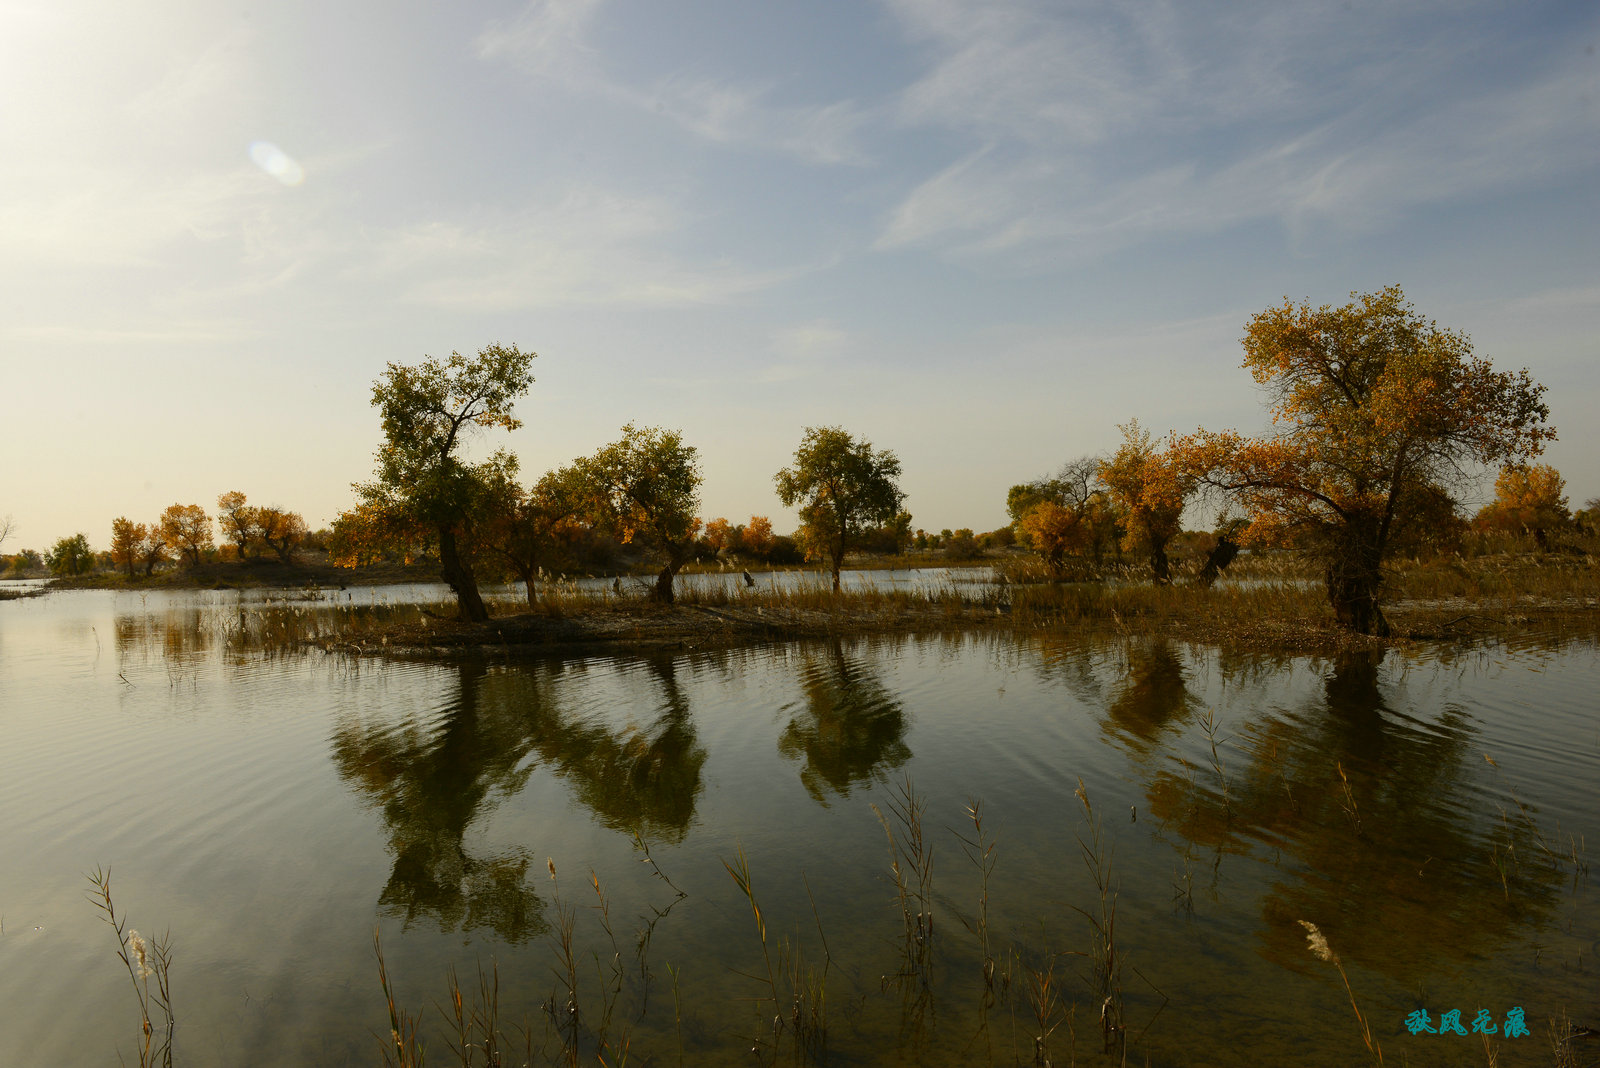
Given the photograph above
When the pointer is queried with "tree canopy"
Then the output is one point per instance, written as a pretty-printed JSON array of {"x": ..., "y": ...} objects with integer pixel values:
[
  {"x": 427, "y": 410},
  {"x": 186, "y": 530},
  {"x": 1374, "y": 409},
  {"x": 127, "y": 539},
  {"x": 528, "y": 530},
  {"x": 844, "y": 489},
  {"x": 1150, "y": 487},
  {"x": 645, "y": 488},
  {"x": 1068, "y": 514},
  {"x": 1528, "y": 499},
  {"x": 71, "y": 556}
]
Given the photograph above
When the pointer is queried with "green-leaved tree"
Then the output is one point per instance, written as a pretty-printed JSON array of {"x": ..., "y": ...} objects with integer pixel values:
[
  {"x": 645, "y": 489},
  {"x": 844, "y": 488},
  {"x": 428, "y": 411},
  {"x": 71, "y": 556}
]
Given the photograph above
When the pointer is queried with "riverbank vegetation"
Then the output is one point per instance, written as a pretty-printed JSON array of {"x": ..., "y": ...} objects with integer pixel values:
[{"x": 1380, "y": 417}]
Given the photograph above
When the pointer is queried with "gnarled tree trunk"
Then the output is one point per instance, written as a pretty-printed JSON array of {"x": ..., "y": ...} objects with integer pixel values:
[
  {"x": 663, "y": 591},
  {"x": 458, "y": 576},
  {"x": 1354, "y": 578},
  {"x": 1218, "y": 559},
  {"x": 1160, "y": 567}
]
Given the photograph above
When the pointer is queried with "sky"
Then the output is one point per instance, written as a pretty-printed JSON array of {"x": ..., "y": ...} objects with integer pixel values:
[{"x": 981, "y": 234}]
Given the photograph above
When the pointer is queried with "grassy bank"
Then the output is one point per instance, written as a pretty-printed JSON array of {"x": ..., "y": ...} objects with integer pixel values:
[{"x": 1271, "y": 603}]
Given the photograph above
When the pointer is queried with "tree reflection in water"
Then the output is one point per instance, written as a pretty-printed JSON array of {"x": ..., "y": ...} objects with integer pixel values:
[
  {"x": 1398, "y": 860},
  {"x": 852, "y": 729},
  {"x": 1153, "y": 699},
  {"x": 431, "y": 778}
]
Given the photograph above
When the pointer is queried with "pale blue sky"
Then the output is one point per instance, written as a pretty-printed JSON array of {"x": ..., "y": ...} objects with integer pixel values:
[{"x": 981, "y": 234}]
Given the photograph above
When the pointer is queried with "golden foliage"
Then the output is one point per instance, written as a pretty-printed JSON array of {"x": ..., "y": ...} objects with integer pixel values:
[
  {"x": 1374, "y": 409},
  {"x": 1528, "y": 499}
]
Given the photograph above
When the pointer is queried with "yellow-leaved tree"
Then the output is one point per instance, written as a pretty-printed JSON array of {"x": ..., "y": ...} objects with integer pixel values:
[
  {"x": 1150, "y": 485},
  {"x": 1374, "y": 410},
  {"x": 1528, "y": 499}
]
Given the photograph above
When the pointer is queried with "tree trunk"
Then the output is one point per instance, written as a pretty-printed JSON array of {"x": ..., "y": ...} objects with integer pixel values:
[
  {"x": 1218, "y": 559},
  {"x": 663, "y": 591},
  {"x": 1354, "y": 577},
  {"x": 1159, "y": 565},
  {"x": 458, "y": 576}
]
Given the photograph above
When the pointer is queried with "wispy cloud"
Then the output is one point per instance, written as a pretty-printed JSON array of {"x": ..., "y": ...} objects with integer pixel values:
[
  {"x": 549, "y": 40},
  {"x": 1104, "y": 125},
  {"x": 583, "y": 248}
]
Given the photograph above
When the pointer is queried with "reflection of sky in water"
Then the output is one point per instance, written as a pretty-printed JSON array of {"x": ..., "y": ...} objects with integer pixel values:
[{"x": 270, "y": 808}]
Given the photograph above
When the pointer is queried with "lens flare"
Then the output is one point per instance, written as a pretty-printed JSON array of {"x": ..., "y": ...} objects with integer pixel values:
[{"x": 276, "y": 162}]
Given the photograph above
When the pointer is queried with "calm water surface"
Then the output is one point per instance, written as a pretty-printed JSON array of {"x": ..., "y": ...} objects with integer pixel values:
[{"x": 1433, "y": 812}]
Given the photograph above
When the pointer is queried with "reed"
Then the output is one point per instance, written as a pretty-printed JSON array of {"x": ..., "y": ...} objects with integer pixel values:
[
  {"x": 1319, "y": 946},
  {"x": 911, "y": 865},
  {"x": 740, "y": 871},
  {"x": 980, "y": 850},
  {"x": 807, "y": 989},
  {"x": 610, "y": 985},
  {"x": 402, "y": 1048},
  {"x": 476, "y": 1020},
  {"x": 144, "y": 959},
  {"x": 1208, "y": 725},
  {"x": 1106, "y": 960},
  {"x": 1347, "y": 799},
  {"x": 1044, "y": 1000},
  {"x": 562, "y": 1008}
]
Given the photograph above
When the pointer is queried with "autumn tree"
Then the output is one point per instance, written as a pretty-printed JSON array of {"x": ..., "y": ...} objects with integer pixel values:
[
  {"x": 26, "y": 560},
  {"x": 1150, "y": 488},
  {"x": 1080, "y": 520},
  {"x": 1528, "y": 499},
  {"x": 428, "y": 410},
  {"x": 757, "y": 536},
  {"x": 280, "y": 530},
  {"x": 376, "y": 531},
  {"x": 1373, "y": 409},
  {"x": 721, "y": 536},
  {"x": 645, "y": 489},
  {"x": 187, "y": 531},
  {"x": 71, "y": 556},
  {"x": 151, "y": 549},
  {"x": 127, "y": 539},
  {"x": 528, "y": 529},
  {"x": 844, "y": 488},
  {"x": 1588, "y": 517},
  {"x": 239, "y": 521},
  {"x": 1055, "y": 533}
]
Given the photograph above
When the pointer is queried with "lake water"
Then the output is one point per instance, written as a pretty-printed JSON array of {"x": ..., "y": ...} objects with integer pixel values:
[{"x": 1432, "y": 811}]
